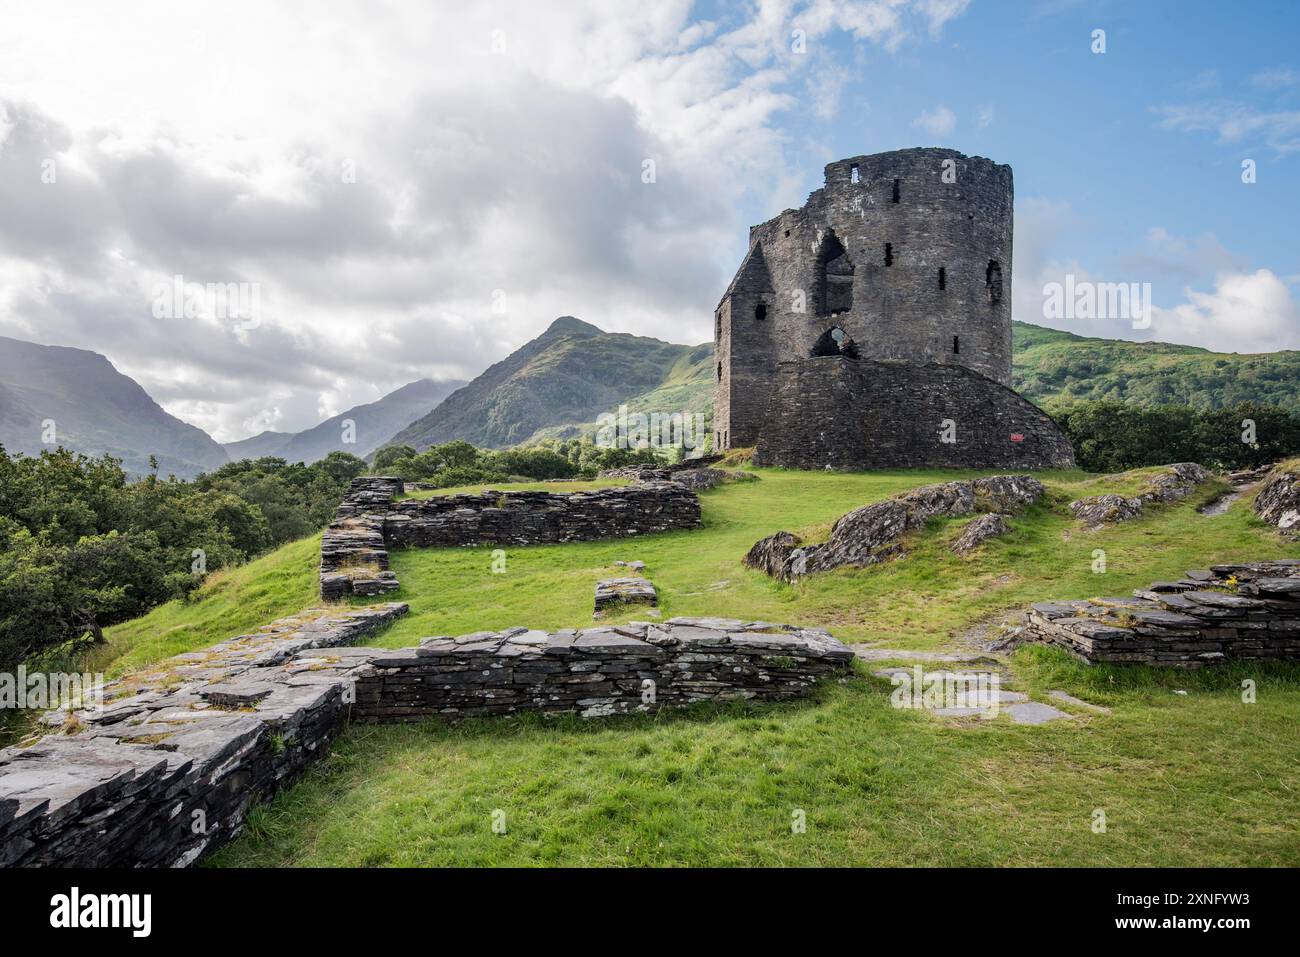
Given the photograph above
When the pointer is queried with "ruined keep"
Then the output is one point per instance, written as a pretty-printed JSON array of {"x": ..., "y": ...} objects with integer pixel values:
[{"x": 858, "y": 327}]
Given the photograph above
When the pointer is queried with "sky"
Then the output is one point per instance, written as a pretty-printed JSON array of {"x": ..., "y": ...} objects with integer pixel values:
[{"x": 377, "y": 192}]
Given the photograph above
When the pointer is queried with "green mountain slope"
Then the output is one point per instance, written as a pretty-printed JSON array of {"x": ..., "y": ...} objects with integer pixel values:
[
  {"x": 1049, "y": 365},
  {"x": 95, "y": 409},
  {"x": 565, "y": 378}
]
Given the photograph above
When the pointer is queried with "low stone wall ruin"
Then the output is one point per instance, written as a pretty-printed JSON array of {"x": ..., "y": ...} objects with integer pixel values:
[
  {"x": 1228, "y": 612},
  {"x": 621, "y": 669},
  {"x": 168, "y": 769},
  {"x": 371, "y": 520},
  {"x": 533, "y": 518}
]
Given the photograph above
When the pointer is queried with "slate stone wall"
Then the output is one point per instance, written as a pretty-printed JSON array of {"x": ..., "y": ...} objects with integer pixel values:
[
  {"x": 169, "y": 768},
  {"x": 861, "y": 414},
  {"x": 628, "y": 668},
  {"x": 530, "y": 518},
  {"x": 1245, "y": 612},
  {"x": 898, "y": 225}
]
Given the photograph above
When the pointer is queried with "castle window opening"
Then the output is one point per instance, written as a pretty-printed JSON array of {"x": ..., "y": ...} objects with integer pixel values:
[
  {"x": 889, "y": 254},
  {"x": 719, "y": 371},
  {"x": 896, "y": 190},
  {"x": 760, "y": 312},
  {"x": 855, "y": 175},
  {"x": 943, "y": 279},
  {"x": 956, "y": 345},
  {"x": 834, "y": 277},
  {"x": 993, "y": 278}
]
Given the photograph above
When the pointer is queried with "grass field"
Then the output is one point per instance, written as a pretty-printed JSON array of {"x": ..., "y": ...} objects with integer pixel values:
[{"x": 1195, "y": 779}]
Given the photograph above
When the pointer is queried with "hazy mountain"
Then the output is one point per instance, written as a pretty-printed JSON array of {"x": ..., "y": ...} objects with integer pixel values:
[
  {"x": 372, "y": 423},
  {"x": 563, "y": 380},
  {"x": 95, "y": 409},
  {"x": 258, "y": 446}
]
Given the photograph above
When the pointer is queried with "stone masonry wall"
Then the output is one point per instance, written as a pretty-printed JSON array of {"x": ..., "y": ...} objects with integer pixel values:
[
  {"x": 859, "y": 414},
  {"x": 898, "y": 222},
  {"x": 530, "y": 518},
  {"x": 168, "y": 769},
  {"x": 639, "y": 666},
  {"x": 1228, "y": 612}
]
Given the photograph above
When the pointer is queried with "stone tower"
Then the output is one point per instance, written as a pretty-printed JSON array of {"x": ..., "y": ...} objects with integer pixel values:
[{"x": 901, "y": 259}]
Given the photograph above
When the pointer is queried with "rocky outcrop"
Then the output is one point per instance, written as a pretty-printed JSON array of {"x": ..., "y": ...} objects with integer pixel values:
[
  {"x": 1228, "y": 612},
  {"x": 532, "y": 518},
  {"x": 169, "y": 767},
  {"x": 874, "y": 533},
  {"x": 1171, "y": 484},
  {"x": 637, "y": 667},
  {"x": 980, "y": 530},
  {"x": 1278, "y": 500}
]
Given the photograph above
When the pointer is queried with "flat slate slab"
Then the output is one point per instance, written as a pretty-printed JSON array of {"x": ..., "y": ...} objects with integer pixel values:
[
  {"x": 1035, "y": 712},
  {"x": 624, "y": 591}
]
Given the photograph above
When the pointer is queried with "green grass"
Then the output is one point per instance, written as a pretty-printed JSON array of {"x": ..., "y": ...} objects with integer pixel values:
[
  {"x": 1195, "y": 780},
  {"x": 231, "y": 602}
]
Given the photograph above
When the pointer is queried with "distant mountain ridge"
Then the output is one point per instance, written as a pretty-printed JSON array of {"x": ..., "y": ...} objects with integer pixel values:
[
  {"x": 95, "y": 410},
  {"x": 562, "y": 381},
  {"x": 372, "y": 424}
]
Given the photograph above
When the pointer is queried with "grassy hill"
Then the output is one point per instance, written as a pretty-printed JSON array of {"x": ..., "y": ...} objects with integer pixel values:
[
  {"x": 1050, "y": 365},
  {"x": 565, "y": 377},
  {"x": 1196, "y": 779}
]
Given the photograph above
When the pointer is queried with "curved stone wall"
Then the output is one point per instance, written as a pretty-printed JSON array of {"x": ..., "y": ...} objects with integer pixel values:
[{"x": 859, "y": 414}]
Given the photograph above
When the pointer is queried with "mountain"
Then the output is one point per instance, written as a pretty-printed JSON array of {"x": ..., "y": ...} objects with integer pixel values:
[
  {"x": 1050, "y": 366},
  {"x": 560, "y": 382},
  {"x": 258, "y": 446},
  {"x": 372, "y": 423},
  {"x": 95, "y": 409}
]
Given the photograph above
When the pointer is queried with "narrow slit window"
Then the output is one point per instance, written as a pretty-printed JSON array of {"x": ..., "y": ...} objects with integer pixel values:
[
  {"x": 719, "y": 371},
  {"x": 896, "y": 190},
  {"x": 889, "y": 254},
  {"x": 956, "y": 345},
  {"x": 943, "y": 278},
  {"x": 760, "y": 312}
]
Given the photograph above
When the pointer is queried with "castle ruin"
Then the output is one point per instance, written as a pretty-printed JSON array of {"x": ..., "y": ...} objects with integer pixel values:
[{"x": 872, "y": 327}]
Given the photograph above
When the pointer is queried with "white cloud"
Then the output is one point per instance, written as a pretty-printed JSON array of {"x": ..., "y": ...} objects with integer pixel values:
[
  {"x": 497, "y": 146},
  {"x": 937, "y": 122},
  {"x": 1235, "y": 122},
  {"x": 1246, "y": 312}
]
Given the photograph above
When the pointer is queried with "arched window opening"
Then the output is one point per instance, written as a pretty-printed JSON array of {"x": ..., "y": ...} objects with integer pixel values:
[
  {"x": 889, "y": 254},
  {"x": 760, "y": 312},
  {"x": 993, "y": 279},
  {"x": 834, "y": 342},
  {"x": 956, "y": 345},
  {"x": 834, "y": 278},
  {"x": 943, "y": 278},
  {"x": 896, "y": 190}
]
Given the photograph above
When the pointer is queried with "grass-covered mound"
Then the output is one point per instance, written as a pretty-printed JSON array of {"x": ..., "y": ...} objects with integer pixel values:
[{"x": 1195, "y": 779}]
